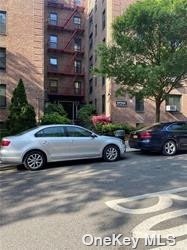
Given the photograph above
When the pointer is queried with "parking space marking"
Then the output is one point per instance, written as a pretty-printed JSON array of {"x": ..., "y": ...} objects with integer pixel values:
[
  {"x": 144, "y": 229},
  {"x": 164, "y": 201}
]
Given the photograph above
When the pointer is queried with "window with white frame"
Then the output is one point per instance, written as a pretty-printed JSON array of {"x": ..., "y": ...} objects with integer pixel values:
[
  {"x": 78, "y": 66},
  {"x": 174, "y": 100},
  {"x": 53, "y": 61},
  {"x": 77, "y": 87},
  {"x": 2, "y": 22},
  {"x": 77, "y": 20},
  {"x": 53, "y": 18},
  {"x": 53, "y": 41},
  {"x": 77, "y": 44},
  {"x": 3, "y": 59},
  {"x": 53, "y": 85},
  {"x": 139, "y": 104},
  {"x": 2, "y": 95}
]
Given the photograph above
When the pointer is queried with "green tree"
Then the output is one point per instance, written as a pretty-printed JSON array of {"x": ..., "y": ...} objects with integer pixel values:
[
  {"x": 148, "y": 56},
  {"x": 21, "y": 113}
]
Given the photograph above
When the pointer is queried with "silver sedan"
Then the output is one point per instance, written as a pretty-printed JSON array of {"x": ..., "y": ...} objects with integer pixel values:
[{"x": 52, "y": 143}]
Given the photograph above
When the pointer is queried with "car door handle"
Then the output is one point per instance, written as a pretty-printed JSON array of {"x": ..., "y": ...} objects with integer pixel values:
[{"x": 44, "y": 142}]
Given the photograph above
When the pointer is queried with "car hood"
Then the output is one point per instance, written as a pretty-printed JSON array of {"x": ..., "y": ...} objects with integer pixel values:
[{"x": 110, "y": 137}]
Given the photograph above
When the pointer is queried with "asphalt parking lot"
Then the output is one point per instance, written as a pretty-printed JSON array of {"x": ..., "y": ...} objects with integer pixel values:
[{"x": 55, "y": 207}]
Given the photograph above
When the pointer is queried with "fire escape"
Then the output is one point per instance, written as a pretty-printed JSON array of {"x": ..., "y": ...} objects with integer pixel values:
[{"x": 74, "y": 31}]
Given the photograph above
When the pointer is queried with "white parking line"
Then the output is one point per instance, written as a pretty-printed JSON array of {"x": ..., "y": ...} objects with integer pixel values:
[
  {"x": 165, "y": 201},
  {"x": 144, "y": 229}
]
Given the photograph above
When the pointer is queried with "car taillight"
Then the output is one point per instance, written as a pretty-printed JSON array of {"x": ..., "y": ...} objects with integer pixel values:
[
  {"x": 145, "y": 135},
  {"x": 4, "y": 143}
]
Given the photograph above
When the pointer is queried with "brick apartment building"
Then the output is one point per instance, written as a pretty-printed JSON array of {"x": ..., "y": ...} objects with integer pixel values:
[
  {"x": 42, "y": 42},
  {"x": 21, "y": 51},
  {"x": 64, "y": 50},
  {"x": 51, "y": 45}
]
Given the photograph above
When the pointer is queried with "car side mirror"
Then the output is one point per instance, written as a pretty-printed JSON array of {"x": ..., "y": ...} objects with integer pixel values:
[{"x": 93, "y": 135}]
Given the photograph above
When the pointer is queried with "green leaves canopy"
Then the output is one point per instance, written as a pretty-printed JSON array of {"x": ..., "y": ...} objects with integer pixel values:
[{"x": 148, "y": 56}]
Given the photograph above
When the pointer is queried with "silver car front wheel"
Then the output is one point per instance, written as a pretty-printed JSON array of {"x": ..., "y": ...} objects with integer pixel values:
[
  {"x": 111, "y": 153},
  {"x": 169, "y": 148},
  {"x": 34, "y": 160}
]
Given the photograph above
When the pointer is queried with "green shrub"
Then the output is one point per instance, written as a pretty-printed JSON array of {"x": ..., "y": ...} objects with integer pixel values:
[
  {"x": 55, "y": 108},
  {"x": 84, "y": 115},
  {"x": 21, "y": 113},
  {"x": 54, "y": 118},
  {"x": 109, "y": 129}
]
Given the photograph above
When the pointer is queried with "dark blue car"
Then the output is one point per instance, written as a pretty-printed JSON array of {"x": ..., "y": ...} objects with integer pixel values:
[{"x": 167, "y": 138}]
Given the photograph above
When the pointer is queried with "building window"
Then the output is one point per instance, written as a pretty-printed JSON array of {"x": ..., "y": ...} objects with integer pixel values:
[
  {"x": 95, "y": 29},
  {"x": 91, "y": 41},
  {"x": 53, "y": 18},
  {"x": 90, "y": 63},
  {"x": 90, "y": 86},
  {"x": 90, "y": 22},
  {"x": 95, "y": 103},
  {"x": 103, "y": 103},
  {"x": 53, "y": 86},
  {"x": 77, "y": 44},
  {"x": 95, "y": 57},
  {"x": 95, "y": 5},
  {"x": 2, "y": 95},
  {"x": 77, "y": 2},
  {"x": 78, "y": 66},
  {"x": 77, "y": 20},
  {"x": 103, "y": 80},
  {"x": 95, "y": 81},
  {"x": 139, "y": 104},
  {"x": 53, "y": 61},
  {"x": 77, "y": 87},
  {"x": 2, "y": 59},
  {"x": 174, "y": 100},
  {"x": 103, "y": 19},
  {"x": 2, "y": 22},
  {"x": 53, "y": 40}
]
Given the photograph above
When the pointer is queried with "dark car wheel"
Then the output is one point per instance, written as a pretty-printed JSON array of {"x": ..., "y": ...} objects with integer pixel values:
[
  {"x": 111, "y": 153},
  {"x": 34, "y": 160},
  {"x": 169, "y": 148}
]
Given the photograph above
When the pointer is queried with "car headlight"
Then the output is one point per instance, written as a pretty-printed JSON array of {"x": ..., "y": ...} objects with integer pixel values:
[{"x": 123, "y": 142}]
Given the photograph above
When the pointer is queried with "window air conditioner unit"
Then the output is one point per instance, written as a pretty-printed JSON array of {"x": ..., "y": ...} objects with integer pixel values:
[{"x": 171, "y": 108}]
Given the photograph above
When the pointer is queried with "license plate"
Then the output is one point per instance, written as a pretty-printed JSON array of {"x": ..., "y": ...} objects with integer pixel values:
[{"x": 135, "y": 136}]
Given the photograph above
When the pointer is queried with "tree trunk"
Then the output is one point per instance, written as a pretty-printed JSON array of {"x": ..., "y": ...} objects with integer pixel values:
[{"x": 158, "y": 103}]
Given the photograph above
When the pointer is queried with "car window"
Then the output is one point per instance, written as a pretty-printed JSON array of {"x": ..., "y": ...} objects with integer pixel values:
[
  {"x": 51, "y": 132},
  {"x": 77, "y": 132},
  {"x": 178, "y": 127},
  {"x": 154, "y": 127}
]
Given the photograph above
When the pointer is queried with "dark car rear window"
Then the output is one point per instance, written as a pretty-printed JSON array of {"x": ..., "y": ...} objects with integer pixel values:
[{"x": 154, "y": 127}]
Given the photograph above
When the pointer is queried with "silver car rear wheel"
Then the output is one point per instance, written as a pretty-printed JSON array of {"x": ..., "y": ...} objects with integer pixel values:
[
  {"x": 169, "y": 148},
  {"x": 34, "y": 160},
  {"x": 111, "y": 153}
]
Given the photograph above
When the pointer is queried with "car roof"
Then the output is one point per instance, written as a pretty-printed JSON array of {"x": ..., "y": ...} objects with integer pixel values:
[
  {"x": 171, "y": 122},
  {"x": 55, "y": 125}
]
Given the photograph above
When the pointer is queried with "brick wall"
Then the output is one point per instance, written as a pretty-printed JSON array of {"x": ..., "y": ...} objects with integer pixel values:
[{"x": 25, "y": 50}]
